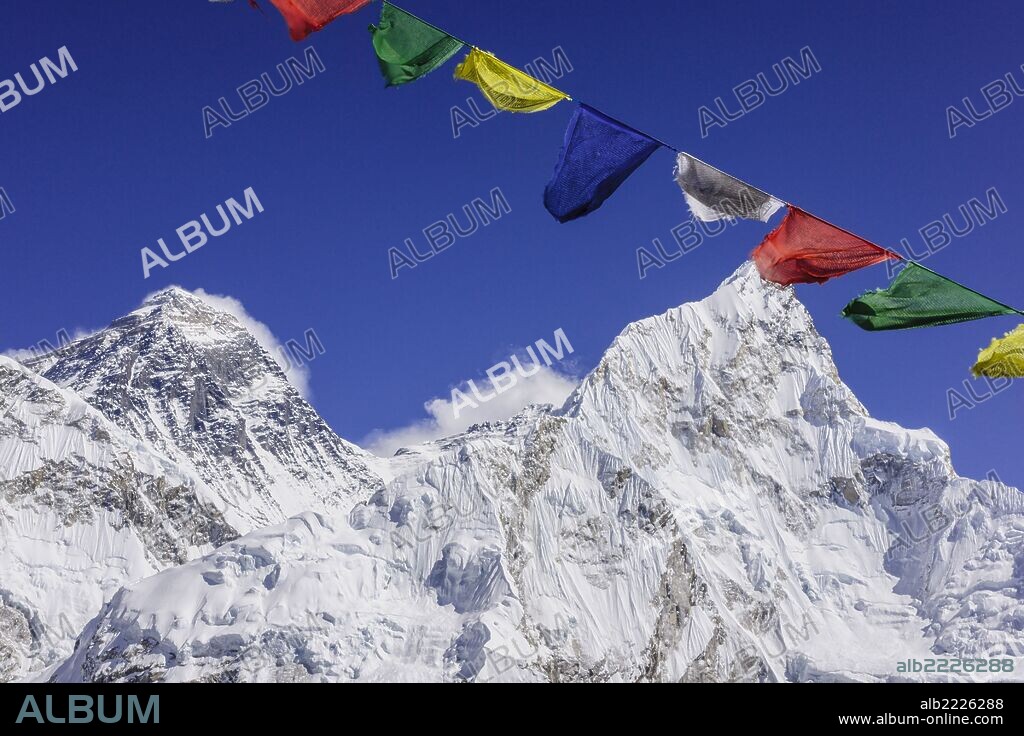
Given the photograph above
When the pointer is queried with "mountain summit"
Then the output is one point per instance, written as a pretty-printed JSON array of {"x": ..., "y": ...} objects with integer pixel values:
[
  {"x": 712, "y": 503},
  {"x": 189, "y": 379},
  {"x": 140, "y": 447}
]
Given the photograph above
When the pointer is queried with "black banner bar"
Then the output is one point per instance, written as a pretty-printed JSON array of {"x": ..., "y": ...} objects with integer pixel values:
[{"x": 213, "y": 708}]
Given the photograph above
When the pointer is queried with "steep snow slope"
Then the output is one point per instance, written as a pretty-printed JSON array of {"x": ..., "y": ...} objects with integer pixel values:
[
  {"x": 712, "y": 503},
  {"x": 190, "y": 380},
  {"x": 193, "y": 435},
  {"x": 84, "y": 509}
]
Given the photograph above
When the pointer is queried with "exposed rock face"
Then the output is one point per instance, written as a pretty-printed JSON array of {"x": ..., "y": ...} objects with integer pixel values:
[
  {"x": 191, "y": 381},
  {"x": 712, "y": 503},
  {"x": 84, "y": 509},
  {"x": 171, "y": 432}
]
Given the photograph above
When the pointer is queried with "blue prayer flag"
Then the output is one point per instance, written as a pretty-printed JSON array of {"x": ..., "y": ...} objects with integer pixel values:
[{"x": 598, "y": 155}]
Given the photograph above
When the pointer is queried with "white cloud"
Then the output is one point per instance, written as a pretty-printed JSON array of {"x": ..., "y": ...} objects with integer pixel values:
[
  {"x": 547, "y": 386},
  {"x": 47, "y": 346}
]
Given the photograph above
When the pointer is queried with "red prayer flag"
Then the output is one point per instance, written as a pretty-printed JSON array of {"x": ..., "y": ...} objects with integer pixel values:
[
  {"x": 305, "y": 16},
  {"x": 806, "y": 250}
]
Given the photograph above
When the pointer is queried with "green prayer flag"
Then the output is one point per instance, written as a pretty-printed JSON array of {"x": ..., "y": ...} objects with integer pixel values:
[
  {"x": 919, "y": 297},
  {"x": 407, "y": 48}
]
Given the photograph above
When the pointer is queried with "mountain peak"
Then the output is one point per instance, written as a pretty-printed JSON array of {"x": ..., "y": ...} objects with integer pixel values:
[
  {"x": 712, "y": 503},
  {"x": 170, "y": 292},
  {"x": 174, "y": 297},
  {"x": 745, "y": 286},
  {"x": 215, "y": 318},
  {"x": 193, "y": 375}
]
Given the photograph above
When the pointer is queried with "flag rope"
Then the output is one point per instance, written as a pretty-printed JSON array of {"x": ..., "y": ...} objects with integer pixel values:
[
  {"x": 790, "y": 204},
  {"x": 436, "y": 28},
  {"x": 976, "y": 293},
  {"x": 715, "y": 168},
  {"x": 671, "y": 147}
]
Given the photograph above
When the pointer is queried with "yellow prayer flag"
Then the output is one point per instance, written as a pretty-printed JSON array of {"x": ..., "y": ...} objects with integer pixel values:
[
  {"x": 506, "y": 87},
  {"x": 1003, "y": 358}
]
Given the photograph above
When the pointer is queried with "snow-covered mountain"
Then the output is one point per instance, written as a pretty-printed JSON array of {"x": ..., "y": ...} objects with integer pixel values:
[
  {"x": 712, "y": 503},
  {"x": 192, "y": 381},
  {"x": 170, "y": 432},
  {"x": 84, "y": 509}
]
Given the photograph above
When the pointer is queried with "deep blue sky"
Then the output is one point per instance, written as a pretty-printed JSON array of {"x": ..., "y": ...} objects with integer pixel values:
[{"x": 114, "y": 157}]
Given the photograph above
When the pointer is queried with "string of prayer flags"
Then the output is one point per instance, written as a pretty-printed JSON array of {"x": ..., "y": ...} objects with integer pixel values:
[
  {"x": 1004, "y": 358},
  {"x": 599, "y": 154},
  {"x": 306, "y": 16},
  {"x": 407, "y": 48},
  {"x": 920, "y": 297},
  {"x": 804, "y": 249},
  {"x": 506, "y": 87},
  {"x": 714, "y": 195}
]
